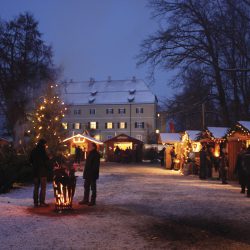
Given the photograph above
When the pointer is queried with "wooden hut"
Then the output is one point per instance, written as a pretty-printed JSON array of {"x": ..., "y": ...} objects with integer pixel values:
[
  {"x": 237, "y": 136},
  {"x": 214, "y": 138},
  {"x": 124, "y": 143},
  {"x": 170, "y": 140},
  {"x": 191, "y": 146},
  {"x": 81, "y": 140}
]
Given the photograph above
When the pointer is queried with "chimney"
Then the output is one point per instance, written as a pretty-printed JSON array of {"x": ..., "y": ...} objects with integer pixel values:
[
  {"x": 109, "y": 78},
  {"x": 133, "y": 79}
]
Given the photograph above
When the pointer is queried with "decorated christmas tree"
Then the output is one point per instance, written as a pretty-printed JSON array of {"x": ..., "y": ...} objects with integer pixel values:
[{"x": 47, "y": 120}]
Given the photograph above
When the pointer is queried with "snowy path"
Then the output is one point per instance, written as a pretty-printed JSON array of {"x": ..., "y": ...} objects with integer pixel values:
[{"x": 138, "y": 207}]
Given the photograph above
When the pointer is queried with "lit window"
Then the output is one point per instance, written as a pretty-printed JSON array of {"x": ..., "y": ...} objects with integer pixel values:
[
  {"x": 139, "y": 125},
  {"x": 109, "y": 111},
  {"x": 65, "y": 125},
  {"x": 77, "y": 125},
  {"x": 93, "y": 125},
  {"x": 122, "y": 111},
  {"x": 122, "y": 125},
  {"x": 92, "y": 111},
  {"x": 139, "y": 110},
  {"x": 109, "y": 125}
]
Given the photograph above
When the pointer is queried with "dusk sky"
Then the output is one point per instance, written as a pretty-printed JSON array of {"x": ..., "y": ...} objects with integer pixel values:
[{"x": 94, "y": 38}]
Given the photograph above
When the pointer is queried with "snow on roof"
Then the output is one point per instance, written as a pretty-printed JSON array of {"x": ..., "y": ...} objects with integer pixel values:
[
  {"x": 107, "y": 92},
  {"x": 218, "y": 132},
  {"x": 193, "y": 134},
  {"x": 170, "y": 137},
  {"x": 245, "y": 124},
  {"x": 85, "y": 137}
]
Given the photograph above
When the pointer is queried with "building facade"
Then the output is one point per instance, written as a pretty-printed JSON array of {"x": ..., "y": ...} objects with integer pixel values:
[{"x": 109, "y": 108}]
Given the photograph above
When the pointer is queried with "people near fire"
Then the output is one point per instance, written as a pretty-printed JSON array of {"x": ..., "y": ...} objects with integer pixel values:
[
  {"x": 173, "y": 157},
  {"x": 40, "y": 163},
  {"x": 224, "y": 164},
  {"x": 90, "y": 175},
  {"x": 240, "y": 171}
]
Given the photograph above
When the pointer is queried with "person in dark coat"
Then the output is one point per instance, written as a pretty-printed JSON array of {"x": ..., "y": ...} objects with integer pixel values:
[
  {"x": 173, "y": 157},
  {"x": 203, "y": 163},
  {"x": 240, "y": 171},
  {"x": 162, "y": 156},
  {"x": 224, "y": 166},
  {"x": 39, "y": 161},
  {"x": 91, "y": 174},
  {"x": 246, "y": 168}
]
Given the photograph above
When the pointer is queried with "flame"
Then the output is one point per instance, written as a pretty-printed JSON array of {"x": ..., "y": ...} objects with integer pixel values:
[{"x": 63, "y": 196}]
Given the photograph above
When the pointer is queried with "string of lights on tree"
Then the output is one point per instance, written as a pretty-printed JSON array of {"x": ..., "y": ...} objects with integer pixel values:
[{"x": 47, "y": 120}]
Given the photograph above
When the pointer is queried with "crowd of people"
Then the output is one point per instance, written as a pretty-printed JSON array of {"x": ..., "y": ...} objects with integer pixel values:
[
  {"x": 221, "y": 164},
  {"x": 126, "y": 156},
  {"x": 208, "y": 162}
]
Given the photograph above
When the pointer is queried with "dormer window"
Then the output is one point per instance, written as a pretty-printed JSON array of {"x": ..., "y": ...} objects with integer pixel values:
[
  {"x": 132, "y": 91},
  {"x": 91, "y": 99},
  {"x": 131, "y": 98},
  {"x": 93, "y": 92}
]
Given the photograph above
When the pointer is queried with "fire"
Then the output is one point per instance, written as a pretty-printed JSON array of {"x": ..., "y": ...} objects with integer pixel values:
[{"x": 64, "y": 183}]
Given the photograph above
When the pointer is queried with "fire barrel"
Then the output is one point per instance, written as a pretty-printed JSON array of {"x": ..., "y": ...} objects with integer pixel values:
[{"x": 64, "y": 184}]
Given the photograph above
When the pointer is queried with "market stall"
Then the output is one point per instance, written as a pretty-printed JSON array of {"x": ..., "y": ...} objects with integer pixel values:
[
  {"x": 190, "y": 149},
  {"x": 82, "y": 141},
  {"x": 237, "y": 136},
  {"x": 170, "y": 140},
  {"x": 214, "y": 138},
  {"x": 123, "y": 148}
]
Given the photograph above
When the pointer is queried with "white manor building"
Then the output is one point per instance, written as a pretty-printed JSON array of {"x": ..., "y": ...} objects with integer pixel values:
[{"x": 109, "y": 108}]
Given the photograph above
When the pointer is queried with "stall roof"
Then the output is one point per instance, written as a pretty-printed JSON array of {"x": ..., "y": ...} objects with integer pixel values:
[
  {"x": 193, "y": 134},
  {"x": 170, "y": 137},
  {"x": 87, "y": 137},
  {"x": 218, "y": 132},
  {"x": 245, "y": 124},
  {"x": 123, "y": 138}
]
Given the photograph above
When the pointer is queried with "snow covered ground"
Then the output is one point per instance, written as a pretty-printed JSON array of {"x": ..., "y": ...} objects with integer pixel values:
[{"x": 138, "y": 207}]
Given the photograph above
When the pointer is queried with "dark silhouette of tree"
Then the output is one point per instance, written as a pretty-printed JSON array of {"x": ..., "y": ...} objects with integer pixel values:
[{"x": 25, "y": 64}]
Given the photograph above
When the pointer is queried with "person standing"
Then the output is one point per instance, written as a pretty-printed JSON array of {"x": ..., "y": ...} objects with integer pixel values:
[
  {"x": 162, "y": 156},
  {"x": 173, "y": 156},
  {"x": 40, "y": 162},
  {"x": 240, "y": 171},
  {"x": 203, "y": 163},
  {"x": 224, "y": 166},
  {"x": 90, "y": 175},
  {"x": 246, "y": 168}
]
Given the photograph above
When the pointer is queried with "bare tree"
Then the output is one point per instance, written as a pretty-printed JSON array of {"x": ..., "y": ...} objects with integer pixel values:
[{"x": 199, "y": 33}]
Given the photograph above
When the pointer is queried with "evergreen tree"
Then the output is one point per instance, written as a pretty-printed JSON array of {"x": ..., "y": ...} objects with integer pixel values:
[{"x": 47, "y": 120}]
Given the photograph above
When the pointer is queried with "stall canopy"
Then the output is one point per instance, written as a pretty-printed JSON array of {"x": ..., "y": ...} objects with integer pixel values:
[
  {"x": 169, "y": 138},
  {"x": 218, "y": 132},
  {"x": 212, "y": 134},
  {"x": 80, "y": 140},
  {"x": 124, "y": 143}
]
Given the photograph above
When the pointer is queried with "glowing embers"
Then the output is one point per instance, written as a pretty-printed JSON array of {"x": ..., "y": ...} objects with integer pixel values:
[{"x": 64, "y": 183}]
